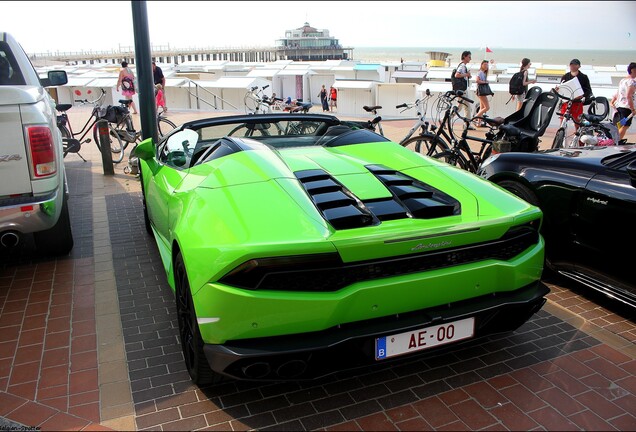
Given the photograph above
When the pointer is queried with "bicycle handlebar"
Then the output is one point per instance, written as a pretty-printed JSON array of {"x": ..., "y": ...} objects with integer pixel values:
[{"x": 592, "y": 98}]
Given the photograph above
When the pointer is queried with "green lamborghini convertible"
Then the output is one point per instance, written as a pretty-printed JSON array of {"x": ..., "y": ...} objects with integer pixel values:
[{"x": 300, "y": 244}]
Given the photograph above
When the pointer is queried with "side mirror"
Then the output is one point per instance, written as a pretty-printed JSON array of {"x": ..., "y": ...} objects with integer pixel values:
[
  {"x": 145, "y": 150},
  {"x": 54, "y": 78}
]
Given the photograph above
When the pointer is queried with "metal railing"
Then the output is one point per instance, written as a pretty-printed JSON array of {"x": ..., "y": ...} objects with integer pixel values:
[{"x": 199, "y": 99}]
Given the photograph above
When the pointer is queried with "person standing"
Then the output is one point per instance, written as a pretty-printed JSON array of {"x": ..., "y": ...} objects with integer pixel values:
[
  {"x": 482, "y": 78},
  {"x": 577, "y": 102},
  {"x": 463, "y": 73},
  {"x": 158, "y": 78},
  {"x": 126, "y": 82},
  {"x": 323, "y": 98},
  {"x": 623, "y": 100},
  {"x": 525, "y": 65},
  {"x": 333, "y": 98}
]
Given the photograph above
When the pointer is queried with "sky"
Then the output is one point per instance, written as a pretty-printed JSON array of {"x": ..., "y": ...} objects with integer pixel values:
[{"x": 72, "y": 26}]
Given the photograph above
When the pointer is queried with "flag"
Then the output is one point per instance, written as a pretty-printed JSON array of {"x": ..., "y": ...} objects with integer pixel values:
[{"x": 488, "y": 50}]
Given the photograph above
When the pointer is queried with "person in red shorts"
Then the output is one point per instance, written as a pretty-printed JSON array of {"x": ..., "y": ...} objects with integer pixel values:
[{"x": 584, "y": 81}]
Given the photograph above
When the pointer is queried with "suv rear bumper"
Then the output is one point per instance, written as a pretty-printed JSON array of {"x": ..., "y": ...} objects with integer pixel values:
[{"x": 32, "y": 214}]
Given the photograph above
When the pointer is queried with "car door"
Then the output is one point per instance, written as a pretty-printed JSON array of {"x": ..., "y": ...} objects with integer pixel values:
[
  {"x": 173, "y": 157},
  {"x": 606, "y": 209}
]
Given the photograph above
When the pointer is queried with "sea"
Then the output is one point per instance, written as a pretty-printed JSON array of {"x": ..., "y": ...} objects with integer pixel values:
[{"x": 499, "y": 55}]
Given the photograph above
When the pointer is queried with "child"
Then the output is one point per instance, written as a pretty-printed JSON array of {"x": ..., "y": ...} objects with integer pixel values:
[{"x": 161, "y": 101}]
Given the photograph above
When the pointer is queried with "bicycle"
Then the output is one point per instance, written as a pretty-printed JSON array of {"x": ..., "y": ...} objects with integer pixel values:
[
  {"x": 420, "y": 123},
  {"x": 163, "y": 124},
  {"x": 256, "y": 102},
  {"x": 71, "y": 144},
  {"x": 590, "y": 131},
  {"x": 437, "y": 139},
  {"x": 562, "y": 131},
  {"x": 460, "y": 154},
  {"x": 377, "y": 120}
]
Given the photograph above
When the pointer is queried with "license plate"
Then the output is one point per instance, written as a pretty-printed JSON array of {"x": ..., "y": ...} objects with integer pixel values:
[{"x": 428, "y": 337}]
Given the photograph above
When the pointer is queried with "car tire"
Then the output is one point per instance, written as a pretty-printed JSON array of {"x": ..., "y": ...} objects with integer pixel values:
[
  {"x": 57, "y": 240},
  {"x": 520, "y": 190},
  {"x": 189, "y": 334}
]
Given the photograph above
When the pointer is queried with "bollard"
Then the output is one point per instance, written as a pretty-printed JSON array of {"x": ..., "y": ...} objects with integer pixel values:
[{"x": 104, "y": 142}]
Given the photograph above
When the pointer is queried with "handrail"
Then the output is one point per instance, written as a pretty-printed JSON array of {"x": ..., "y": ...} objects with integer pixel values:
[{"x": 199, "y": 99}]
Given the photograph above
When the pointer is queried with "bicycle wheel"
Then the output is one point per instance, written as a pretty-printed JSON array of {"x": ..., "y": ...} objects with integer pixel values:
[
  {"x": 559, "y": 137},
  {"x": 116, "y": 144},
  {"x": 452, "y": 158},
  {"x": 253, "y": 130},
  {"x": 64, "y": 131},
  {"x": 65, "y": 135},
  {"x": 427, "y": 144},
  {"x": 164, "y": 126}
]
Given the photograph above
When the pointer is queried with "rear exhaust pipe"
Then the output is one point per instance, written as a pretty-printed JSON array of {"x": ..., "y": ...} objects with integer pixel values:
[
  {"x": 9, "y": 239},
  {"x": 256, "y": 370},
  {"x": 292, "y": 369}
]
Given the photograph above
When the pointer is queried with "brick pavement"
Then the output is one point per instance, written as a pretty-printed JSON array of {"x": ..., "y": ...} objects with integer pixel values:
[{"x": 90, "y": 342}]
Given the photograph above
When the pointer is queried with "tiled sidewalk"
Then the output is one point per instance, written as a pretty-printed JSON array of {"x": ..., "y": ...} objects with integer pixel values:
[{"x": 90, "y": 342}]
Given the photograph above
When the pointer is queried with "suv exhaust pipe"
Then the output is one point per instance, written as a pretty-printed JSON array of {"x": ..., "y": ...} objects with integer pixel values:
[{"x": 9, "y": 239}]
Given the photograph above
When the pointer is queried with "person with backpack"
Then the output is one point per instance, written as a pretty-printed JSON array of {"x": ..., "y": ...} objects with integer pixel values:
[
  {"x": 127, "y": 83},
  {"x": 461, "y": 82},
  {"x": 518, "y": 86}
]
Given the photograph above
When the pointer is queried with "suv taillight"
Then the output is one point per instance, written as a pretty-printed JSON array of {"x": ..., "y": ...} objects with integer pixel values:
[{"x": 42, "y": 150}]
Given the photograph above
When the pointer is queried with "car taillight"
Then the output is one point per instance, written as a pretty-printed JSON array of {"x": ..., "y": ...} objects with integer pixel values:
[{"x": 42, "y": 150}]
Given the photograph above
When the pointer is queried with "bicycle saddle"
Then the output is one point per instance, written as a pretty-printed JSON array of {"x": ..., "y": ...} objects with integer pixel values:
[
  {"x": 495, "y": 121},
  {"x": 63, "y": 107},
  {"x": 125, "y": 101},
  {"x": 372, "y": 108}
]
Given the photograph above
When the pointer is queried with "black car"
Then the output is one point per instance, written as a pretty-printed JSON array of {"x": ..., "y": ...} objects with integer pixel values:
[{"x": 588, "y": 197}]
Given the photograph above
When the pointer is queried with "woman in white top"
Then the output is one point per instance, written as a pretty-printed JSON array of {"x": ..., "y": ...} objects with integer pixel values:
[{"x": 623, "y": 100}]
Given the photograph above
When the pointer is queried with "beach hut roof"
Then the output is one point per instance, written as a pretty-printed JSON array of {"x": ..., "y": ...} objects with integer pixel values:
[
  {"x": 353, "y": 84},
  {"x": 438, "y": 74},
  {"x": 263, "y": 73},
  {"x": 367, "y": 67},
  {"x": 409, "y": 74},
  {"x": 235, "y": 82},
  {"x": 103, "y": 82},
  {"x": 74, "y": 81}
]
